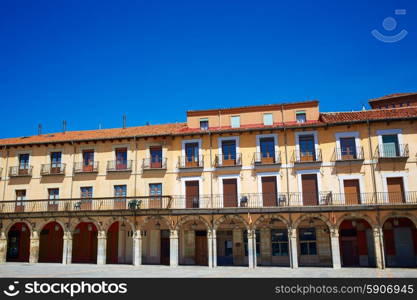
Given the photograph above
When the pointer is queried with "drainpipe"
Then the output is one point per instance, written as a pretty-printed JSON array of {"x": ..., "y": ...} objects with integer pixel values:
[
  {"x": 372, "y": 161},
  {"x": 72, "y": 174},
  {"x": 5, "y": 171},
  {"x": 136, "y": 165},
  {"x": 286, "y": 154},
  {"x": 213, "y": 258}
]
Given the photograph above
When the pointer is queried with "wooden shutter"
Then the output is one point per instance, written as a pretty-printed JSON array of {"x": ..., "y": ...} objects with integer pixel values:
[
  {"x": 352, "y": 191},
  {"x": 269, "y": 191},
  {"x": 192, "y": 194},
  {"x": 229, "y": 193},
  {"x": 395, "y": 189},
  {"x": 310, "y": 190}
]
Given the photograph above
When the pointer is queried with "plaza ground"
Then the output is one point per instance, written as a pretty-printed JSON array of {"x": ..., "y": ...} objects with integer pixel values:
[{"x": 152, "y": 271}]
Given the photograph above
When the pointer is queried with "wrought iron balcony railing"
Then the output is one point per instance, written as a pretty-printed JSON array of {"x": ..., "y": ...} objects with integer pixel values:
[
  {"x": 86, "y": 167},
  {"x": 119, "y": 165},
  {"x": 22, "y": 170},
  {"x": 53, "y": 169},
  {"x": 347, "y": 154},
  {"x": 217, "y": 201},
  {"x": 267, "y": 158},
  {"x": 155, "y": 163},
  {"x": 301, "y": 156},
  {"x": 390, "y": 151},
  {"x": 228, "y": 160},
  {"x": 189, "y": 162}
]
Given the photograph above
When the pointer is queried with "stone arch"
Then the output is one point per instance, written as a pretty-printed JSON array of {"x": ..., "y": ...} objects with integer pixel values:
[
  {"x": 399, "y": 215},
  {"x": 302, "y": 218},
  {"x": 28, "y": 224},
  {"x": 74, "y": 223},
  {"x": 350, "y": 216},
  {"x": 110, "y": 222},
  {"x": 186, "y": 219},
  {"x": 224, "y": 218},
  {"x": 47, "y": 221},
  {"x": 158, "y": 218},
  {"x": 262, "y": 218}
]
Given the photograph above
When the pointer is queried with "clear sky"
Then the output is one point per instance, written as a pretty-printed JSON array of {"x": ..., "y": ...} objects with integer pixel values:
[{"x": 89, "y": 62}]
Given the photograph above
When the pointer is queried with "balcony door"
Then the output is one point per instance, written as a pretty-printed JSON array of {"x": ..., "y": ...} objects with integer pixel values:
[
  {"x": 192, "y": 194},
  {"x": 88, "y": 160},
  {"x": 56, "y": 162},
  {"x": 230, "y": 193},
  {"x": 269, "y": 190},
  {"x": 352, "y": 191},
  {"x": 307, "y": 148},
  {"x": 155, "y": 191},
  {"x": 156, "y": 157},
  {"x": 121, "y": 158},
  {"x": 395, "y": 187},
  {"x": 229, "y": 152},
  {"x": 348, "y": 148},
  {"x": 310, "y": 189},
  {"x": 390, "y": 145},
  {"x": 191, "y": 155},
  {"x": 53, "y": 196},
  {"x": 20, "y": 200},
  {"x": 267, "y": 147},
  {"x": 23, "y": 164}
]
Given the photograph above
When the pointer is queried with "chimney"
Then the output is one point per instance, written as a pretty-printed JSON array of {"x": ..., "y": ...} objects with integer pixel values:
[
  {"x": 39, "y": 129},
  {"x": 64, "y": 126},
  {"x": 124, "y": 121}
]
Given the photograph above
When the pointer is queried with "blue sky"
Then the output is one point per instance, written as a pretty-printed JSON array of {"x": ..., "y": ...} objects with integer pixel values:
[{"x": 89, "y": 62}]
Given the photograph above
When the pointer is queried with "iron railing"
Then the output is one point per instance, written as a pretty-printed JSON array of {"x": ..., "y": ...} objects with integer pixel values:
[
  {"x": 392, "y": 151},
  {"x": 228, "y": 160},
  {"x": 21, "y": 170},
  {"x": 216, "y": 201},
  {"x": 86, "y": 167},
  {"x": 119, "y": 165},
  {"x": 53, "y": 169},
  {"x": 267, "y": 158},
  {"x": 300, "y": 156},
  {"x": 152, "y": 163},
  {"x": 187, "y": 162},
  {"x": 348, "y": 154}
]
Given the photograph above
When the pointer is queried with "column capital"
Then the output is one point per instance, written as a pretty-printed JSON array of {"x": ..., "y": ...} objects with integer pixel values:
[
  {"x": 377, "y": 231},
  {"x": 3, "y": 235},
  {"x": 334, "y": 232},
  {"x": 34, "y": 235},
  {"x": 292, "y": 232},
  {"x": 67, "y": 235},
  {"x": 102, "y": 234},
  {"x": 211, "y": 233},
  {"x": 251, "y": 234},
  {"x": 137, "y": 234},
  {"x": 173, "y": 234}
]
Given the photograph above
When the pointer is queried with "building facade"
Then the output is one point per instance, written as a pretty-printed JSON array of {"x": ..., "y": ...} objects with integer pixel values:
[{"x": 271, "y": 185}]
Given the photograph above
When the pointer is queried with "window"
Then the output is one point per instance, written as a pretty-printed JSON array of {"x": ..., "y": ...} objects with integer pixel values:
[
  {"x": 229, "y": 149},
  {"x": 307, "y": 148},
  {"x": 120, "y": 190},
  {"x": 53, "y": 194},
  {"x": 191, "y": 152},
  {"x": 258, "y": 242},
  {"x": 267, "y": 146},
  {"x": 235, "y": 121},
  {"x": 20, "y": 197},
  {"x": 268, "y": 119},
  {"x": 156, "y": 156},
  {"x": 308, "y": 243},
  {"x": 155, "y": 189},
  {"x": 204, "y": 124},
  {"x": 279, "y": 242},
  {"x": 390, "y": 145},
  {"x": 348, "y": 148},
  {"x": 301, "y": 116},
  {"x": 121, "y": 158},
  {"x": 56, "y": 159},
  {"x": 88, "y": 157},
  {"x": 86, "y": 192},
  {"x": 24, "y": 161}
]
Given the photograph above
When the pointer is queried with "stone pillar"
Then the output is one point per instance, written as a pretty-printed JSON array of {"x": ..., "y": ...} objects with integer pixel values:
[
  {"x": 34, "y": 247},
  {"x": 334, "y": 240},
  {"x": 67, "y": 248},
  {"x": 101, "y": 247},
  {"x": 137, "y": 248},
  {"x": 3, "y": 247},
  {"x": 378, "y": 245},
  {"x": 212, "y": 248},
  {"x": 293, "y": 245},
  {"x": 173, "y": 248},
  {"x": 251, "y": 248}
]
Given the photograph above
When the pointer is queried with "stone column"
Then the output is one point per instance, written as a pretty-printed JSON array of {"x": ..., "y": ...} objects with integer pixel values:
[
  {"x": 173, "y": 248},
  {"x": 212, "y": 248},
  {"x": 101, "y": 247},
  {"x": 334, "y": 240},
  {"x": 3, "y": 247},
  {"x": 378, "y": 245},
  {"x": 293, "y": 245},
  {"x": 252, "y": 248},
  {"x": 34, "y": 247},
  {"x": 137, "y": 248},
  {"x": 67, "y": 248}
]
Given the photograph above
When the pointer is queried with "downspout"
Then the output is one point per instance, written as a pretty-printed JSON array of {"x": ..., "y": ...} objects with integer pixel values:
[
  {"x": 136, "y": 167},
  {"x": 5, "y": 171},
  {"x": 372, "y": 160},
  {"x": 72, "y": 174},
  {"x": 213, "y": 258},
  {"x": 286, "y": 153}
]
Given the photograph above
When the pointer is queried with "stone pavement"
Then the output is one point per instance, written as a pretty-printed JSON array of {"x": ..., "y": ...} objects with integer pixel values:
[{"x": 147, "y": 271}]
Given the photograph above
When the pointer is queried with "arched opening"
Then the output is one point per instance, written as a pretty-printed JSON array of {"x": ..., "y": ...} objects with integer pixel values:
[
  {"x": 51, "y": 243},
  {"x": 18, "y": 243},
  {"x": 156, "y": 242},
  {"x": 232, "y": 243},
  {"x": 193, "y": 243},
  {"x": 119, "y": 249},
  {"x": 400, "y": 242},
  {"x": 272, "y": 236},
  {"x": 314, "y": 248},
  {"x": 84, "y": 243},
  {"x": 356, "y": 244}
]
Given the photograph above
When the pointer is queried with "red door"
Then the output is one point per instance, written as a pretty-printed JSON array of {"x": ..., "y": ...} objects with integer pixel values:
[
  {"x": 229, "y": 192},
  {"x": 18, "y": 243},
  {"x": 112, "y": 244},
  {"x": 269, "y": 191},
  {"x": 192, "y": 194},
  {"x": 51, "y": 243},
  {"x": 310, "y": 189},
  {"x": 349, "y": 248},
  {"x": 165, "y": 247},
  {"x": 201, "y": 256},
  {"x": 84, "y": 244}
]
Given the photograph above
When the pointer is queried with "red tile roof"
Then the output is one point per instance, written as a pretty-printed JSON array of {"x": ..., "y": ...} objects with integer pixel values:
[
  {"x": 378, "y": 114},
  {"x": 390, "y": 96}
]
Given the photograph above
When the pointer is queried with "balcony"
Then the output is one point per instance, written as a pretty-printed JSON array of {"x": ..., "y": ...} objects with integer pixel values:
[
  {"x": 155, "y": 163},
  {"x": 119, "y": 165},
  {"x": 391, "y": 151},
  {"x": 228, "y": 160},
  {"x": 82, "y": 167},
  {"x": 52, "y": 169},
  {"x": 347, "y": 154},
  {"x": 300, "y": 157},
  {"x": 21, "y": 171},
  {"x": 267, "y": 158},
  {"x": 187, "y": 162}
]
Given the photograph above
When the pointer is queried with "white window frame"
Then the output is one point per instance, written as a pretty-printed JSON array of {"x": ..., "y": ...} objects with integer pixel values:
[
  {"x": 239, "y": 194},
  {"x": 272, "y": 119},
  {"x": 300, "y": 185},
  {"x": 342, "y": 179},
  {"x": 398, "y": 132},
  {"x": 200, "y": 188},
  {"x": 221, "y": 139},
  {"x": 231, "y": 121},
  {"x": 268, "y": 174},
  {"x": 297, "y": 141},
  {"x": 184, "y": 142},
  {"x": 384, "y": 177}
]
